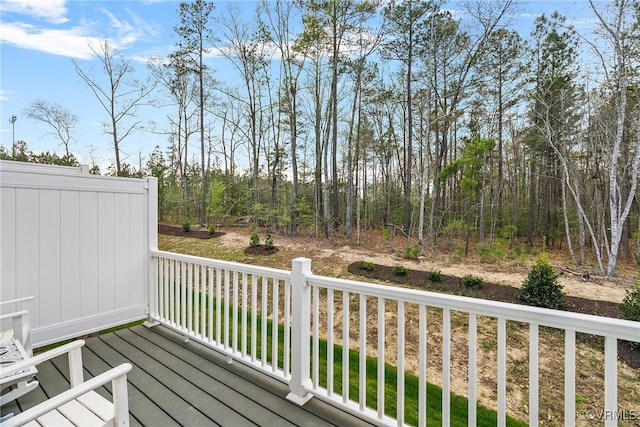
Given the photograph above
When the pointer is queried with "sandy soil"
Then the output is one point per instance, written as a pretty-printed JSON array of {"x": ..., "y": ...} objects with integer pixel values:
[{"x": 597, "y": 287}]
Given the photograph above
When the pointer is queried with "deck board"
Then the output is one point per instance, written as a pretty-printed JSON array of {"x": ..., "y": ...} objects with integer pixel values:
[{"x": 184, "y": 383}]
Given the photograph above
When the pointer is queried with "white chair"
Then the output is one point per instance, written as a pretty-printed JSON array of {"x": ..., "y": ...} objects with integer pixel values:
[
  {"x": 16, "y": 312},
  {"x": 81, "y": 405},
  {"x": 15, "y": 345}
]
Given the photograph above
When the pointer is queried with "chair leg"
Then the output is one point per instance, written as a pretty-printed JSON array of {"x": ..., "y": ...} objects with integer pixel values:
[{"x": 21, "y": 388}]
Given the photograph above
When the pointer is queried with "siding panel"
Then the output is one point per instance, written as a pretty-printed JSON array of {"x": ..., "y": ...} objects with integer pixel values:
[
  {"x": 49, "y": 249},
  {"x": 70, "y": 254}
]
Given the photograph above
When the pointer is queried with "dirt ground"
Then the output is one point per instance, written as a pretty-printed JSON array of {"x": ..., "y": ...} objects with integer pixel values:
[{"x": 372, "y": 248}]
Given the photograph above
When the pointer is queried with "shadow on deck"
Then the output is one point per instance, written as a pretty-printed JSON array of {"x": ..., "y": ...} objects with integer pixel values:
[{"x": 178, "y": 383}]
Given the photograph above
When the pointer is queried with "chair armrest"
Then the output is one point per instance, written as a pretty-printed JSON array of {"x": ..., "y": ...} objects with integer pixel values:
[
  {"x": 21, "y": 320},
  {"x": 42, "y": 357},
  {"x": 117, "y": 373},
  {"x": 14, "y": 314},
  {"x": 16, "y": 301}
]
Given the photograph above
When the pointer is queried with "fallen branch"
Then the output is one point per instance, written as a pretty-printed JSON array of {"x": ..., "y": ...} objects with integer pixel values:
[{"x": 584, "y": 275}]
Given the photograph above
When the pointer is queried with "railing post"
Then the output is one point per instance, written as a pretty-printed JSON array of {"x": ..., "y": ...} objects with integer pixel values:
[
  {"x": 300, "y": 324},
  {"x": 151, "y": 222}
]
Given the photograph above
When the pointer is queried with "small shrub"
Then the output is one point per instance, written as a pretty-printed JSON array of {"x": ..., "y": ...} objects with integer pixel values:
[
  {"x": 212, "y": 229},
  {"x": 366, "y": 266},
  {"x": 412, "y": 251},
  {"x": 541, "y": 287},
  {"x": 434, "y": 276},
  {"x": 472, "y": 282},
  {"x": 400, "y": 270},
  {"x": 456, "y": 229},
  {"x": 186, "y": 227},
  {"x": 255, "y": 240},
  {"x": 630, "y": 307},
  {"x": 268, "y": 243},
  {"x": 458, "y": 254},
  {"x": 491, "y": 254}
]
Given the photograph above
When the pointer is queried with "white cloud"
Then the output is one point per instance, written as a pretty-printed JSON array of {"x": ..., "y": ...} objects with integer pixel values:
[
  {"x": 128, "y": 32},
  {"x": 53, "y": 11},
  {"x": 72, "y": 42},
  {"x": 5, "y": 95}
]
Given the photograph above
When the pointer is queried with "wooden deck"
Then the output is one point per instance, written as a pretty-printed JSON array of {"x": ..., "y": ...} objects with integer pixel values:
[{"x": 178, "y": 383}]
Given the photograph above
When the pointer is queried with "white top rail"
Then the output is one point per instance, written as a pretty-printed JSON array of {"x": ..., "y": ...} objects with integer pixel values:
[
  {"x": 603, "y": 326},
  {"x": 227, "y": 265}
]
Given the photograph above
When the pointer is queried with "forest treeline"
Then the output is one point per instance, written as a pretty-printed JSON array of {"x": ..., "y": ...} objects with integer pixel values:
[{"x": 346, "y": 115}]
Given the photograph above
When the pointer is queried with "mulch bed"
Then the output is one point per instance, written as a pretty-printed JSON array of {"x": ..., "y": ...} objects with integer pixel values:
[
  {"x": 176, "y": 230},
  {"x": 260, "y": 250},
  {"x": 491, "y": 291}
]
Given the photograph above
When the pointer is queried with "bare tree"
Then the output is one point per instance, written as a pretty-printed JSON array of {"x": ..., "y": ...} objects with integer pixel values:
[
  {"x": 59, "y": 118},
  {"x": 620, "y": 33},
  {"x": 277, "y": 25},
  {"x": 194, "y": 32},
  {"x": 245, "y": 49},
  {"x": 120, "y": 96}
]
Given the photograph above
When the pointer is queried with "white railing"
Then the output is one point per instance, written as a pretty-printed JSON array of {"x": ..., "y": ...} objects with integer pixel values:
[
  {"x": 366, "y": 318},
  {"x": 234, "y": 308}
]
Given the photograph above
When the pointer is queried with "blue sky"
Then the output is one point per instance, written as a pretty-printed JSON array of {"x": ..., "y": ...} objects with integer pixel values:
[{"x": 40, "y": 38}]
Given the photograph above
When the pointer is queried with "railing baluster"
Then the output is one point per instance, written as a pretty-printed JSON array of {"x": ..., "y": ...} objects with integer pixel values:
[
  {"x": 234, "y": 313},
  {"x": 243, "y": 325},
  {"x": 533, "y": 375},
  {"x": 422, "y": 366},
  {"x": 172, "y": 292},
  {"x": 227, "y": 304},
  {"x": 219, "y": 273},
  {"x": 189, "y": 294},
  {"x": 254, "y": 317},
  {"x": 263, "y": 314},
  {"x": 502, "y": 371},
  {"x": 400, "y": 364},
  {"x": 345, "y": 347},
  {"x": 183, "y": 294},
  {"x": 210, "y": 310},
  {"x": 381, "y": 356},
  {"x": 196, "y": 299},
  {"x": 330, "y": 329},
  {"x": 446, "y": 367},
  {"x": 160, "y": 283},
  {"x": 569, "y": 377},
  {"x": 362, "y": 398},
  {"x": 287, "y": 329},
  {"x": 611, "y": 380},
  {"x": 275, "y": 320},
  {"x": 472, "y": 369},
  {"x": 315, "y": 374},
  {"x": 203, "y": 301}
]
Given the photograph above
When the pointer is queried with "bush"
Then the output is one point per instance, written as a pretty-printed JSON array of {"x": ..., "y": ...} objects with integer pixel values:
[
  {"x": 491, "y": 254},
  {"x": 541, "y": 287},
  {"x": 212, "y": 229},
  {"x": 400, "y": 270},
  {"x": 472, "y": 282},
  {"x": 186, "y": 227},
  {"x": 434, "y": 276},
  {"x": 255, "y": 240},
  {"x": 268, "y": 243},
  {"x": 412, "y": 251},
  {"x": 630, "y": 307},
  {"x": 366, "y": 266}
]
